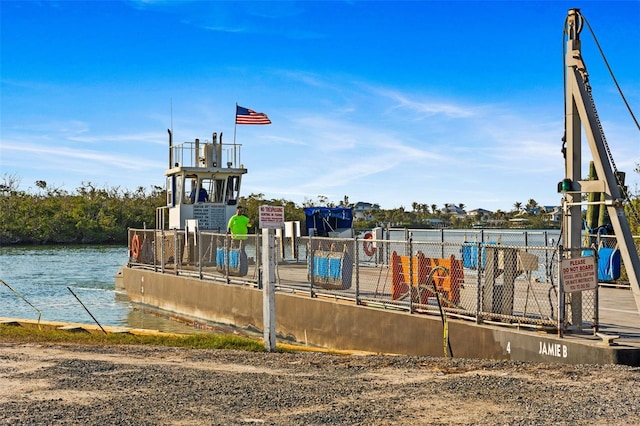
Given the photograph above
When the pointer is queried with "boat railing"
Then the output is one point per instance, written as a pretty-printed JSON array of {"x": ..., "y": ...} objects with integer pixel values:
[
  {"x": 205, "y": 153},
  {"x": 509, "y": 284}
]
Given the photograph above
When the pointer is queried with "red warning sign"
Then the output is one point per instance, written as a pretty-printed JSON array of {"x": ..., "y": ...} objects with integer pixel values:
[{"x": 579, "y": 274}]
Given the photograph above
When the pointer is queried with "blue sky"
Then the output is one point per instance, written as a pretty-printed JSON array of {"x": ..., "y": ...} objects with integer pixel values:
[{"x": 385, "y": 102}]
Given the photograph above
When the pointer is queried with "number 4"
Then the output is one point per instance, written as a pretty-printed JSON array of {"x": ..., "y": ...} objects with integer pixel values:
[{"x": 508, "y": 347}]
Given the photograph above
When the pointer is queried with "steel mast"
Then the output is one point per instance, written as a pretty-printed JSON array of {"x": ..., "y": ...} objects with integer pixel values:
[{"x": 580, "y": 110}]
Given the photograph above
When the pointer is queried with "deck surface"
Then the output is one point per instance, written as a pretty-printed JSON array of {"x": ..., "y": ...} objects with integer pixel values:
[{"x": 619, "y": 315}]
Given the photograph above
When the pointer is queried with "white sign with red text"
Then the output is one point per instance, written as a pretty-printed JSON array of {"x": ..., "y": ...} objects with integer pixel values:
[
  {"x": 579, "y": 274},
  {"x": 271, "y": 217}
]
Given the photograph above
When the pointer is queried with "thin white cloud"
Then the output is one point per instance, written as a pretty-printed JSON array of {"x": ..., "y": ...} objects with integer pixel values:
[
  {"x": 223, "y": 29},
  {"x": 155, "y": 138},
  {"x": 45, "y": 154},
  {"x": 423, "y": 108},
  {"x": 308, "y": 78},
  {"x": 285, "y": 140},
  {"x": 63, "y": 131},
  {"x": 61, "y": 128}
]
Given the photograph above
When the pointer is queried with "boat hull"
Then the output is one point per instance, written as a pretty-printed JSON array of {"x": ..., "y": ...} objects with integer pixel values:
[{"x": 344, "y": 325}]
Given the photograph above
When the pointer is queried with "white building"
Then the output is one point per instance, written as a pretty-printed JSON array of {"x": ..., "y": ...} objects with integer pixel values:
[{"x": 364, "y": 211}]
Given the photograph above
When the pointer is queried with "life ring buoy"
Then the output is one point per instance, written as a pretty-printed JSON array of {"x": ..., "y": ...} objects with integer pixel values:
[
  {"x": 135, "y": 247},
  {"x": 367, "y": 246}
]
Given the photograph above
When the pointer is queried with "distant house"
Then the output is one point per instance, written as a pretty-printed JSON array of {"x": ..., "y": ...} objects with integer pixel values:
[
  {"x": 479, "y": 213},
  {"x": 364, "y": 211},
  {"x": 454, "y": 210},
  {"x": 553, "y": 212}
]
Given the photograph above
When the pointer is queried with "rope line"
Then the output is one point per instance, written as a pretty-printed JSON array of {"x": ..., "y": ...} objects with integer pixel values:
[{"x": 613, "y": 77}]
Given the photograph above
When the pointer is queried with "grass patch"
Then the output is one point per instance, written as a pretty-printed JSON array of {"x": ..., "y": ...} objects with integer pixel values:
[{"x": 31, "y": 333}]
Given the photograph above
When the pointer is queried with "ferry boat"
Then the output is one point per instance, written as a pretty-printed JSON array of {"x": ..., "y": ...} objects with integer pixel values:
[{"x": 430, "y": 296}]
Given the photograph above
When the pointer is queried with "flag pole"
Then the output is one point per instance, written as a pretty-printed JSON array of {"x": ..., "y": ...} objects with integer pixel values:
[{"x": 235, "y": 128}]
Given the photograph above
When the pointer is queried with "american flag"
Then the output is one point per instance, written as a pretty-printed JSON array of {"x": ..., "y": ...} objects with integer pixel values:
[{"x": 249, "y": 116}]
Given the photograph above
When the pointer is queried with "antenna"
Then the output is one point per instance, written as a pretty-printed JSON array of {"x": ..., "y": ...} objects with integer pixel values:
[{"x": 171, "y": 112}]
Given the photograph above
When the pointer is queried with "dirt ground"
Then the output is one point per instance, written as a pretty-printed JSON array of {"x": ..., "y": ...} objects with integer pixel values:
[{"x": 135, "y": 385}]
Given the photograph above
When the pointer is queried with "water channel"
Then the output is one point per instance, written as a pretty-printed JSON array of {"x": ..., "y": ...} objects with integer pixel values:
[{"x": 41, "y": 274}]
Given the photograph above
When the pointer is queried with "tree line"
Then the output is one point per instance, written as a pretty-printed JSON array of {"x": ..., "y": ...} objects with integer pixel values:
[{"x": 91, "y": 215}]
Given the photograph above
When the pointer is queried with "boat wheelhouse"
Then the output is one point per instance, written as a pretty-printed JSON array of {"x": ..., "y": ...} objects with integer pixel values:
[{"x": 203, "y": 184}]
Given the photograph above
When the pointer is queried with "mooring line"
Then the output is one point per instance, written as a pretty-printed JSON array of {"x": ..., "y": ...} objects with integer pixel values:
[
  {"x": 85, "y": 308},
  {"x": 26, "y": 301}
]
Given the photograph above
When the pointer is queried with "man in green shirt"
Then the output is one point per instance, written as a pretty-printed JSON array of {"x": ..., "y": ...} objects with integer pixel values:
[{"x": 238, "y": 225}]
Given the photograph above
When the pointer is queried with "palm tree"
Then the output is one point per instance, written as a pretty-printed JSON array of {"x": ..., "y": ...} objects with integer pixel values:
[{"x": 517, "y": 206}]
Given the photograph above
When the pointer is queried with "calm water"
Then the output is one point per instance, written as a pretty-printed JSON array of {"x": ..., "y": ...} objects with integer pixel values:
[{"x": 41, "y": 275}]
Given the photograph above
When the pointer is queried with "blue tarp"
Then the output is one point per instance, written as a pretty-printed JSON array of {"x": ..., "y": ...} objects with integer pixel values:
[
  {"x": 234, "y": 257},
  {"x": 327, "y": 219},
  {"x": 331, "y": 270},
  {"x": 470, "y": 255},
  {"x": 327, "y": 267},
  {"x": 608, "y": 264},
  {"x": 233, "y": 260}
]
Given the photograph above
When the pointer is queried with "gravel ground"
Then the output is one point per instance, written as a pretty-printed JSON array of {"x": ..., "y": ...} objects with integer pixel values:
[{"x": 134, "y": 385}]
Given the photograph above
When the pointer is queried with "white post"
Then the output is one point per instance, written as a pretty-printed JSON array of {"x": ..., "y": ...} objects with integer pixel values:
[{"x": 268, "y": 286}]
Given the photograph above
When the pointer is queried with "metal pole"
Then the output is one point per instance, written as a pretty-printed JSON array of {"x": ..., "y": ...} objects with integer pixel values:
[
  {"x": 479, "y": 269},
  {"x": 410, "y": 240},
  {"x": 176, "y": 252},
  {"x": 227, "y": 255},
  {"x": 235, "y": 127},
  {"x": 311, "y": 254},
  {"x": 200, "y": 248},
  {"x": 560, "y": 291},
  {"x": 163, "y": 261},
  {"x": 357, "y": 263},
  {"x": 268, "y": 285}
]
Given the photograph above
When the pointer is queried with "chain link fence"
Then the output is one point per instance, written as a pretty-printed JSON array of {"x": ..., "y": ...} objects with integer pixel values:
[{"x": 503, "y": 277}]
